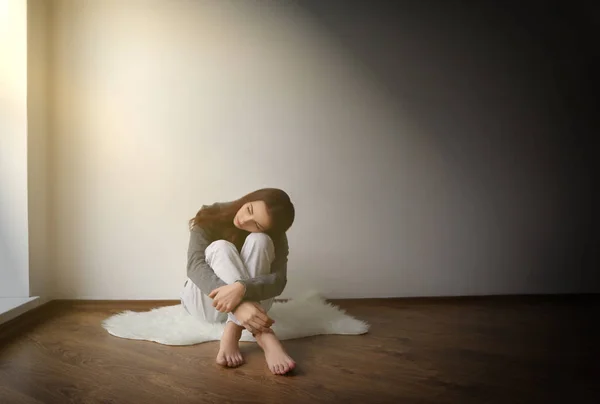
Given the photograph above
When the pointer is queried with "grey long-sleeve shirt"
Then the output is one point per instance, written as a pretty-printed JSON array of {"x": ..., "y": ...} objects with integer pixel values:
[{"x": 260, "y": 288}]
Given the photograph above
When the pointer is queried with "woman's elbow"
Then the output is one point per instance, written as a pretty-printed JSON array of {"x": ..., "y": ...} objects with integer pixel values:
[{"x": 280, "y": 287}]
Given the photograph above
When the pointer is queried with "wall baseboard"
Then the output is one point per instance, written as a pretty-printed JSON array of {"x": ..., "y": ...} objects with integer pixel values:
[
  {"x": 28, "y": 313},
  {"x": 11, "y": 323},
  {"x": 19, "y": 308}
]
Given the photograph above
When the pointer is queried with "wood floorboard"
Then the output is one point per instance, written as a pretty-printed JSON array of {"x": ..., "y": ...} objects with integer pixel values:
[{"x": 483, "y": 350}]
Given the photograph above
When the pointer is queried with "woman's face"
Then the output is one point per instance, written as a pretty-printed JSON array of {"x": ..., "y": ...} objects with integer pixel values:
[{"x": 253, "y": 217}]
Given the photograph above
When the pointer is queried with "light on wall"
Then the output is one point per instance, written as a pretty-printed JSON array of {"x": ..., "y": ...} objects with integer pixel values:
[
  {"x": 3, "y": 12},
  {"x": 3, "y": 15}
]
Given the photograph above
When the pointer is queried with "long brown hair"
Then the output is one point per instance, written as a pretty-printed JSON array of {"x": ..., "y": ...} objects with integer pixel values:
[{"x": 217, "y": 219}]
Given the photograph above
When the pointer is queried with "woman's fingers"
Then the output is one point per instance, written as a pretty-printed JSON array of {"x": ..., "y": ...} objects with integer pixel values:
[
  {"x": 259, "y": 315},
  {"x": 222, "y": 307},
  {"x": 266, "y": 320},
  {"x": 261, "y": 322},
  {"x": 255, "y": 319},
  {"x": 257, "y": 326},
  {"x": 259, "y": 330},
  {"x": 264, "y": 317}
]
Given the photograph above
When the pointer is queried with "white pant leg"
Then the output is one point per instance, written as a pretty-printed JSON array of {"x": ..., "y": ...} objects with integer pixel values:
[
  {"x": 223, "y": 258},
  {"x": 257, "y": 255}
]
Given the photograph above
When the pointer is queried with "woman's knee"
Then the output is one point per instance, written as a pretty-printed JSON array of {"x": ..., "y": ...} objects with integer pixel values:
[
  {"x": 260, "y": 240},
  {"x": 220, "y": 248},
  {"x": 222, "y": 245}
]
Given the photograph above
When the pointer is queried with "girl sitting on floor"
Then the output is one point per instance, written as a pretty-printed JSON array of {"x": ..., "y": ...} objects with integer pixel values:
[{"x": 237, "y": 265}]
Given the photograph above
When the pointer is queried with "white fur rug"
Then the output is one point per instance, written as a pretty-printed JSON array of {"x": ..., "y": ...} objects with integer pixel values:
[{"x": 172, "y": 325}]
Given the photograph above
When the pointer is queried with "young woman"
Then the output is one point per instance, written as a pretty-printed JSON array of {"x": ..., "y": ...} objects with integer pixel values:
[{"x": 237, "y": 264}]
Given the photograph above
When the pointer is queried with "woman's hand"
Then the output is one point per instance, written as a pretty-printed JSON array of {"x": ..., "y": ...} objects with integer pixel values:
[
  {"x": 226, "y": 298},
  {"x": 253, "y": 317}
]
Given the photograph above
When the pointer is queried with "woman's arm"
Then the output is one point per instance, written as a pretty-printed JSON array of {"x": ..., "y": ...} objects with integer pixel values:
[
  {"x": 264, "y": 287},
  {"x": 198, "y": 269}
]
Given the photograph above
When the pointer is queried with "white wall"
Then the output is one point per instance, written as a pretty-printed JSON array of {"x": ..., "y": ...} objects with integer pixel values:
[
  {"x": 14, "y": 265},
  {"x": 162, "y": 106}
]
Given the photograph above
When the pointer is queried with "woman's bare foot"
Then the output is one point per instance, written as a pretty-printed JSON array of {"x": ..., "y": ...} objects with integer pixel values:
[
  {"x": 229, "y": 352},
  {"x": 278, "y": 360}
]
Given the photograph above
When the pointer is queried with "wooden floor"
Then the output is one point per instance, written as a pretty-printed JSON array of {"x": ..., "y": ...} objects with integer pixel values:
[{"x": 495, "y": 350}]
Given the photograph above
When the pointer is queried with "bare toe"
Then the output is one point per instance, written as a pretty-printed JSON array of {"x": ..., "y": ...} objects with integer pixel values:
[
  {"x": 278, "y": 360},
  {"x": 221, "y": 359}
]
